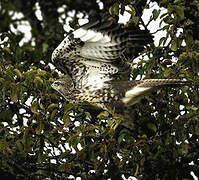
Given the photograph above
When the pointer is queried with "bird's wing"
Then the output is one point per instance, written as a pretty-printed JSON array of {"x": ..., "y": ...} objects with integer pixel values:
[
  {"x": 108, "y": 41},
  {"x": 102, "y": 40},
  {"x": 103, "y": 44}
]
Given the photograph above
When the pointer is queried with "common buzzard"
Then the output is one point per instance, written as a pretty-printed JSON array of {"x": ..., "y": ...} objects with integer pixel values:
[{"x": 94, "y": 56}]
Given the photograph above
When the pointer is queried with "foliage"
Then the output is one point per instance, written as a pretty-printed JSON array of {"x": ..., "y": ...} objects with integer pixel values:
[{"x": 42, "y": 136}]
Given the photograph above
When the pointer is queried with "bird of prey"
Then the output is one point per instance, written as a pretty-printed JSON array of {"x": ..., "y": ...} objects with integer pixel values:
[{"x": 94, "y": 56}]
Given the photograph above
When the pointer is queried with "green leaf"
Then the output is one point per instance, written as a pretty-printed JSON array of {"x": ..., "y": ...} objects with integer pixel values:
[
  {"x": 114, "y": 9},
  {"x": 6, "y": 115},
  {"x": 74, "y": 141},
  {"x": 102, "y": 115},
  {"x": 52, "y": 106},
  {"x": 136, "y": 19},
  {"x": 88, "y": 115},
  {"x": 162, "y": 40},
  {"x": 174, "y": 45},
  {"x": 90, "y": 128},
  {"x": 68, "y": 107},
  {"x": 41, "y": 72},
  {"x": 26, "y": 140},
  {"x": 189, "y": 38},
  {"x": 14, "y": 94},
  {"x": 65, "y": 167},
  {"x": 38, "y": 80},
  {"x": 132, "y": 11},
  {"x": 34, "y": 107},
  {"x": 180, "y": 11},
  {"x": 66, "y": 120},
  {"x": 122, "y": 135},
  {"x": 7, "y": 50},
  {"x": 19, "y": 145},
  {"x": 156, "y": 13},
  {"x": 19, "y": 74},
  {"x": 194, "y": 108},
  {"x": 152, "y": 127},
  {"x": 52, "y": 115},
  {"x": 184, "y": 148},
  {"x": 41, "y": 125}
]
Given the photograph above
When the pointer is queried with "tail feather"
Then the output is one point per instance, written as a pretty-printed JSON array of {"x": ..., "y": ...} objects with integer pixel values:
[
  {"x": 140, "y": 88},
  {"x": 160, "y": 82}
]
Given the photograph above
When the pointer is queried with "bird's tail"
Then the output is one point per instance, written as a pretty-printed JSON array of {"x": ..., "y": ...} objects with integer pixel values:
[
  {"x": 139, "y": 88},
  {"x": 161, "y": 82}
]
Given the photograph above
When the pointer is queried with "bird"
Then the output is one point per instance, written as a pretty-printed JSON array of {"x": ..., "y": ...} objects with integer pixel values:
[{"x": 94, "y": 56}]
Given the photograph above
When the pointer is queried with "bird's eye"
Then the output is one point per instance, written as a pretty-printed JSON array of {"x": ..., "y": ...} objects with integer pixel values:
[{"x": 57, "y": 83}]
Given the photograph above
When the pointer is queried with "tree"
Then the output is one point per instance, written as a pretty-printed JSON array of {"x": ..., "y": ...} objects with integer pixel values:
[{"x": 42, "y": 136}]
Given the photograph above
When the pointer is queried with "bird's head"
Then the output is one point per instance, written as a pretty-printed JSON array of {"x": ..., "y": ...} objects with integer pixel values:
[{"x": 65, "y": 87}]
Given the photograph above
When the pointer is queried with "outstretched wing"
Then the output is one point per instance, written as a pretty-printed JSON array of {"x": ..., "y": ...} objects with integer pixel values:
[{"x": 99, "y": 49}]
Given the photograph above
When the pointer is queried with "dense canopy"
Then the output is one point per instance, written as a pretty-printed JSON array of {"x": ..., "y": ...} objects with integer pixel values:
[{"x": 44, "y": 137}]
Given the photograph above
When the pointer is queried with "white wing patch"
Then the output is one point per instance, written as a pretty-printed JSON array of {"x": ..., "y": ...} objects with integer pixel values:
[
  {"x": 91, "y": 36},
  {"x": 98, "y": 36},
  {"x": 88, "y": 36},
  {"x": 133, "y": 96},
  {"x": 79, "y": 33}
]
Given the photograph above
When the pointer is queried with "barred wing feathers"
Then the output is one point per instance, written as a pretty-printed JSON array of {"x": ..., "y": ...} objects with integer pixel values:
[
  {"x": 102, "y": 41},
  {"x": 108, "y": 41}
]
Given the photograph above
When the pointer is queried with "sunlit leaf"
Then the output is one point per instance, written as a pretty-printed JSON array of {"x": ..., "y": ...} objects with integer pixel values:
[
  {"x": 174, "y": 45},
  {"x": 114, "y": 9},
  {"x": 103, "y": 114},
  {"x": 136, "y": 19},
  {"x": 19, "y": 74},
  {"x": 7, "y": 49},
  {"x": 34, "y": 107},
  {"x": 51, "y": 107}
]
